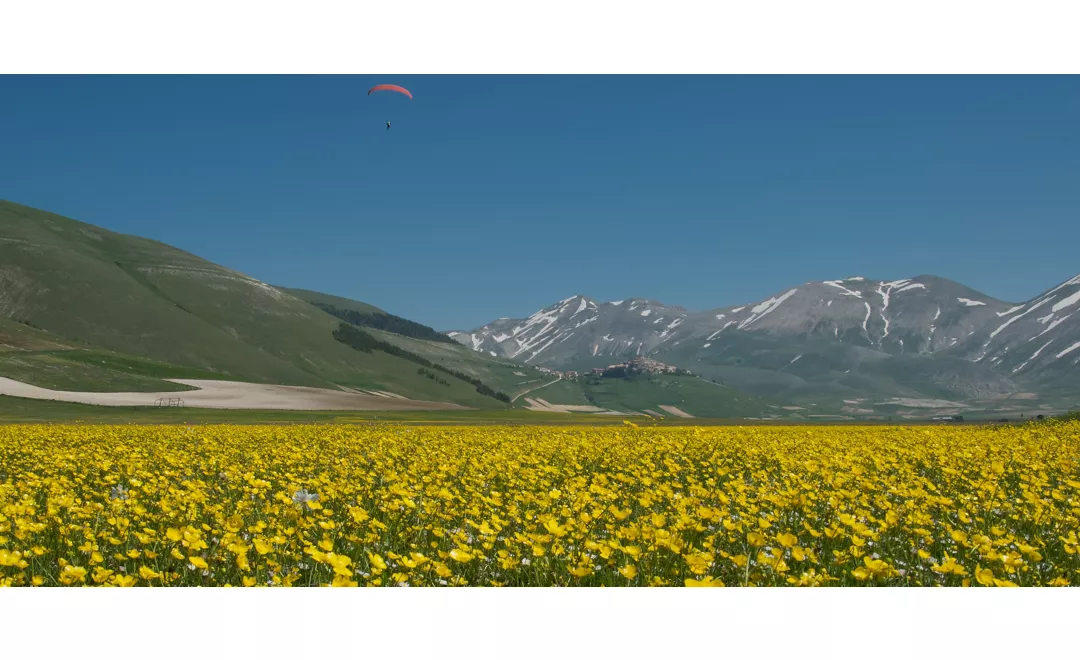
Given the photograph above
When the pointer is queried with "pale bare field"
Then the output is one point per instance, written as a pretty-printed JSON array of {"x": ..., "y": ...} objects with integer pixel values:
[{"x": 233, "y": 395}]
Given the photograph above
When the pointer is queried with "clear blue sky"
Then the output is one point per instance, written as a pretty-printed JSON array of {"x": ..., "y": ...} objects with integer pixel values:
[{"x": 495, "y": 196}]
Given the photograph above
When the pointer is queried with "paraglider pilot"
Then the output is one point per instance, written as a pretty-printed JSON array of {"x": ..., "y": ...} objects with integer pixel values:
[{"x": 387, "y": 125}]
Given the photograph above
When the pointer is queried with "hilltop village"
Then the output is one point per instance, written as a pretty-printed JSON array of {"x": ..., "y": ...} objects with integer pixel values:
[{"x": 621, "y": 370}]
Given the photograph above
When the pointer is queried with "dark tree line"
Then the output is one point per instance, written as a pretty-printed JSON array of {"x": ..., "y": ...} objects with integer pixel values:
[
  {"x": 356, "y": 338},
  {"x": 430, "y": 374},
  {"x": 387, "y": 322}
]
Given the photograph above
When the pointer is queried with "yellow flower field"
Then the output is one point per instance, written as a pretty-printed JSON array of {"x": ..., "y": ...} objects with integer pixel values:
[{"x": 539, "y": 506}]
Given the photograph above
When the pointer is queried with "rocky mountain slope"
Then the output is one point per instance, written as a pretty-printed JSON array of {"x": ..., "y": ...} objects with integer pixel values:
[{"x": 849, "y": 340}]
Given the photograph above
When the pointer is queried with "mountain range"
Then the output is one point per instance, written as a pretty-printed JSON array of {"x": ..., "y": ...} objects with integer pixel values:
[
  {"x": 86, "y": 309},
  {"x": 858, "y": 344}
]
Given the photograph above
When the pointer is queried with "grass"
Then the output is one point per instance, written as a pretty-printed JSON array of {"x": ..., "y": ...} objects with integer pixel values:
[
  {"x": 325, "y": 298},
  {"x": 18, "y": 410},
  {"x": 497, "y": 373},
  {"x": 59, "y": 371},
  {"x": 97, "y": 289},
  {"x": 563, "y": 392},
  {"x": 688, "y": 393}
]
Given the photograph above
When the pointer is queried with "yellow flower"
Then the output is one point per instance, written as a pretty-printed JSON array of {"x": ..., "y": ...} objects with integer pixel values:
[
  {"x": 699, "y": 562},
  {"x": 148, "y": 573},
  {"x": 101, "y": 574},
  {"x": 342, "y": 580},
  {"x": 340, "y": 564},
  {"x": 459, "y": 555},
  {"x": 705, "y": 582},
  {"x": 8, "y": 558},
  {"x": 629, "y": 571},
  {"x": 554, "y": 528},
  {"x": 787, "y": 540},
  {"x": 198, "y": 562},
  {"x": 72, "y": 574},
  {"x": 378, "y": 562}
]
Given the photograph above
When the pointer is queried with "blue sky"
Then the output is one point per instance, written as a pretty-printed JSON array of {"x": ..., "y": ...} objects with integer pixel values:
[{"x": 494, "y": 196}]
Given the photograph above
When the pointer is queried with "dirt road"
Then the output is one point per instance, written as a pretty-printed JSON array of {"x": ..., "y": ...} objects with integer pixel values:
[
  {"x": 520, "y": 394},
  {"x": 231, "y": 394}
]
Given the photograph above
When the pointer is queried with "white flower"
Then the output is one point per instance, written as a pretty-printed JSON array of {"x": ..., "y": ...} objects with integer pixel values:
[{"x": 301, "y": 496}]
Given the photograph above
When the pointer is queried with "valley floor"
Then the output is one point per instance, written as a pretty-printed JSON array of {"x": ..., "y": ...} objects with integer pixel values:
[{"x": 232, "y": 395}]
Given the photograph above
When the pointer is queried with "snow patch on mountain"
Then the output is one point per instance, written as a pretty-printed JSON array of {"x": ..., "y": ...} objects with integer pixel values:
[
  {"x": 909, "y": 287},
  {"x": 1050, "y": 327},
  {"x": 846, "y": 291},
  {"x": 763, "y": 309},
  {"x": 1068, "y": 350},
  {"x": 1066, "y": 302},
  {"x": 1033, "y": 356},
  {"x": 1012, "y": 320}
]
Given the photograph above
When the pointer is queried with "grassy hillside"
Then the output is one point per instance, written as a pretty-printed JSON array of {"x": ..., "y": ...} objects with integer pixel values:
[
  {"x": 563, "y": 392},
  {"x": 148, "y": 300},
  {"x": 40, "y": 358},
  {"x": 498, "y": 373},
  {"x": 314, "y": 297}
]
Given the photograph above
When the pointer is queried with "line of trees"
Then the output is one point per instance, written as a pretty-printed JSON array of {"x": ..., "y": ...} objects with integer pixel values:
[
  {"x": 356, "y": 338},
  {"x": 430, "y": 374},
  {"x": 387, "y": 322}
]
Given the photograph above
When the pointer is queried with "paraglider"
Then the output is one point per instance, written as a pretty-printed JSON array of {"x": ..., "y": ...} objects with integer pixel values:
[{"x": 390, "y": 88}]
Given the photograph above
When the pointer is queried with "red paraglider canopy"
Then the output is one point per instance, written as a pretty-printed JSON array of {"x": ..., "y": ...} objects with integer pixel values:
[{"x": 390, "y": 88}]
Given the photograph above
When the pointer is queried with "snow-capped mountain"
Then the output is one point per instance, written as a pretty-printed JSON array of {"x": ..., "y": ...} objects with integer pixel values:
[
  {"x": 1039, "y": 340},
  {"x": 919, "y": 336},
  {"x": 578, "y": 327},
  {"x": 919, "y": 315}
]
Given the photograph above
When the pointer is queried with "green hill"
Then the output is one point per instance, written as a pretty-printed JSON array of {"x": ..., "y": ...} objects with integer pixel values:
[
  {"x": 140, "y": 300},
  {"x": 316, "y": 298}
]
